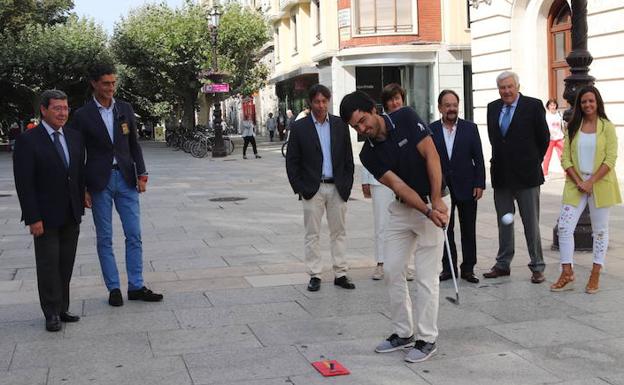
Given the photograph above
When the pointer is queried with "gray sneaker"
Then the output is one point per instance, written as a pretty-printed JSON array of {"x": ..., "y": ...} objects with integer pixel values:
[
  {"x": 394, "y": 342},
  {"x": 421, "y": 352}
]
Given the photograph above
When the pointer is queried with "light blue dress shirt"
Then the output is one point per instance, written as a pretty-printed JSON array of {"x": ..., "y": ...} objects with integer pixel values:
[
  {"x": 108, "y": 117},
  {"x": 513, "y": 109},
  {"x": 323, "y": 131},
  {"x": 51, "y": 132}
]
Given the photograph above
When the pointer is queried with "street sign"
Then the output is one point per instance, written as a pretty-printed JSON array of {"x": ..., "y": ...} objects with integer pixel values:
[{"x": 216, "y": 88}]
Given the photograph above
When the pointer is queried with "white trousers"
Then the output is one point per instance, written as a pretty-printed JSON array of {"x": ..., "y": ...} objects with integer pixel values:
[
  {"x": 327, "y": 200},
  {"x": 381, "y": 196},
  {"x": 409, "y": 230},
  {"x": 600, "y": 229}
]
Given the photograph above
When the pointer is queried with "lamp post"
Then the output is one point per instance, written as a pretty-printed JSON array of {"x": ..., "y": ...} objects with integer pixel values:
[
  {"x": 579, "y": 60},
  {"x": 218, "y": 149}
]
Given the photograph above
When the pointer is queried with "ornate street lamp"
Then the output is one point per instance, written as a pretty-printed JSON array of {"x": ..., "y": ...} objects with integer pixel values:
[
  {"x": 218, "y": 150},
  {"x": 579, "y": 60}
]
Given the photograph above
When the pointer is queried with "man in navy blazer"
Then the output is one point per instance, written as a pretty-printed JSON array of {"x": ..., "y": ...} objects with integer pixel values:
[
  {"x": 319, "y": 163},
  {"x": 48, "y": 165},
  {"x": 519, "y": 137},
  {"x": 115, "y": 174},
  {"x": 459, "y": 145}
]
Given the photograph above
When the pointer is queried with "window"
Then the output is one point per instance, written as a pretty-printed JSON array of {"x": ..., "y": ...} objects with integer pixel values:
[
  {"x": 293, "y": 32},
  {"x": 383, "y": 16},
  {"x": 277, "y": 45},
  {"x": 559, "y": 45},
  {"x": 316, "y": 18}
]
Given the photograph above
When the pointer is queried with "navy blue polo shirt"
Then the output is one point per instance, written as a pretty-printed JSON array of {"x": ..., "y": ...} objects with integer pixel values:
[{"x": 398, "y": 153}]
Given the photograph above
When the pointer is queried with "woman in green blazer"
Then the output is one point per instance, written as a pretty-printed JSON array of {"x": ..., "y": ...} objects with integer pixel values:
[{"x": 589, "y": 155}]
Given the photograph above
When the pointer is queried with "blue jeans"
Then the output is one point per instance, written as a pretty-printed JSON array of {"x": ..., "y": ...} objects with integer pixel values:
[{"x": 126, "y": 200}]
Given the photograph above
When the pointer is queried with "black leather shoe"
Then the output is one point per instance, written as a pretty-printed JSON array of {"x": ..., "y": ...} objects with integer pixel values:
[
  {"x": 115, "y": 298},
  {"x": 144, "y": 294},
  {"x": 69, "y": 317},
  {"x": 315, "y": 284},
  {"x": 53, "y": 323},
  {"x": 344, "y": 282},
  {"x": 445, "y": 276},
  {"x": 470, "y": 277}
]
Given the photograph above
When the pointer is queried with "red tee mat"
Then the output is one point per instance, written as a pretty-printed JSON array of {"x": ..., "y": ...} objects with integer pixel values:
[{"x": 330, "y": 368}]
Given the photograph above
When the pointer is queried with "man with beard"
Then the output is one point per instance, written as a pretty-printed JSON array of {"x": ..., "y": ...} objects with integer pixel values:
[{"x": 459, "y": 146}]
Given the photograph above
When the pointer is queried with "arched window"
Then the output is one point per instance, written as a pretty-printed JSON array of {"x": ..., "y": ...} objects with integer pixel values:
[{"x": 559, "y": 45}]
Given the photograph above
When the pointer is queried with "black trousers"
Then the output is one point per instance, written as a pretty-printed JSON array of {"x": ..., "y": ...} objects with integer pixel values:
[
  {"x": 55, "y": 252},
  {"x": 467, "y": 211},
  {"x": 252, "y": 140},
  {"x": 271, "y": 135}
]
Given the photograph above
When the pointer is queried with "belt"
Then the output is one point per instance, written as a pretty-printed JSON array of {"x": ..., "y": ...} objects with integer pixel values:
[
  {"x": 425, "y": 198},
  {"x": 327, "y": 180},
  {"x": 115, "y": 167}
]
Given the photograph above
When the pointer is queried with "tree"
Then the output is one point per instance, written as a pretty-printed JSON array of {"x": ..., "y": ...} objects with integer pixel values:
[
  {"x": 163, "y": 50},
  {"x": 15, "y": 15},
  {"x": 41, "y": 57}
]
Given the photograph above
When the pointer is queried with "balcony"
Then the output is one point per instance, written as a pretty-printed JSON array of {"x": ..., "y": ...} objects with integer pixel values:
[{"x": 287, "y": 4}]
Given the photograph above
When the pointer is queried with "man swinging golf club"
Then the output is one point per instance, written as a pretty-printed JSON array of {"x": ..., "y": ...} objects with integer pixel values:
[{"x": 401, "y": 154}]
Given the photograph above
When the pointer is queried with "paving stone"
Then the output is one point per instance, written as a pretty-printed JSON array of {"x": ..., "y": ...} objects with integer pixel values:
[
  {"x": 277, "y": 279},
  {"x": 160, "y": 371},
  {"x": 216, "y": 272},
  {"x": 7, "y": 274},
  {"x": 260, "y": 259},
  {"x": 607, "y": 322},
  {"x": 172, "y": 301},
  {"x": 359, "y": 302},
  {"x": 486, "y": 369},
  {"x": 249, "y": 296},
  {"x": 123, "y": 349},
  {"x": 238, "y": 315},
  {"x": 188, "y": 263},
  {"x": 199, "y": 284},
  {"x": 526, "y": 309},
  {"x": 20, "y": 312},
  {"x": 251, "y": 364},
  {"x": 6, "y": 352},
  {"x": 574, "y": 361},
  {"x": 603, "y": 301},
  {"x": 268, "y": 381},
  {"x": 10, "y": 285},
  {"x": 176, "y": 342},
  {"x": 121, "y": 323},
  {"x": 471, "y": 341},
  {"x": 451, "y": 316},
  {"x": 548, "y": 332},
  {"x": 307, "y": 330},
  {"x": 33, "y": 376},
  {"x": 398, "y": 375}
]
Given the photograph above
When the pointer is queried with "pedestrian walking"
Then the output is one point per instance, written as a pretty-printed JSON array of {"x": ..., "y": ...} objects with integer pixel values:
[
  {"x": 589, "y": 155},
  {"x": 519, "y": 137},
  {"x": 116, "y": 174},
  {"x": 319, "y": 164},
  {"x": 400, "y": 153},
  {"x": 459, "y": 145},
  {"x": 555, "y": 127},
  {"x": 271, "y": 125},
  {"x": 248, "y": 133},
  {"x": 48, "y": 165}
]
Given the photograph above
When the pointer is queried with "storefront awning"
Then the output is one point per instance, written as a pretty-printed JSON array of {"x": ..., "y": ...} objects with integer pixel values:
[{"x": 289, "y": 75}]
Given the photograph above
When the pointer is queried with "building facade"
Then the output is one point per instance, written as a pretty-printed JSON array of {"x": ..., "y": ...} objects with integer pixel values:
[
  {"x": 532, "y": 38},
  {"x": 424, "y": 45}
]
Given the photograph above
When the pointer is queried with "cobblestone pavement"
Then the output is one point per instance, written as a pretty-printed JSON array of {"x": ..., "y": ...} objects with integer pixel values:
[{"x": 236, "y": 310}]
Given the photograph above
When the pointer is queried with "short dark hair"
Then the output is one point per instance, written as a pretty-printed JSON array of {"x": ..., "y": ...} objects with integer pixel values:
[
  {"x": 98, "y": 70},
  {"x": 551, "y": 101},
  {"x": 446, "y": 92},
  {"x": 355, "y": 101},
  {"x": 390, "y": 91},
  {"x": 318, "y": 89},
  {"x": 48, "y": 95}
]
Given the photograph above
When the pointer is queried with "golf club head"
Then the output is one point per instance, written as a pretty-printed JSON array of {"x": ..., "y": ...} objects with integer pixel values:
[{"x": 454, "y": 301}]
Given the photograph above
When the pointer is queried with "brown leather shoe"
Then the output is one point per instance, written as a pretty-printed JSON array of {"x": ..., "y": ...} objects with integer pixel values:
[
  {"x": 537, "y": 277},
  {"x": 565, "y": 282},
  {"x": 495, "y": 272}
]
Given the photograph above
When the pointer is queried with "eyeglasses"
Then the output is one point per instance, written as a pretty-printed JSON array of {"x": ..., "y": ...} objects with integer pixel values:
[{"x": 60, "y": 109}]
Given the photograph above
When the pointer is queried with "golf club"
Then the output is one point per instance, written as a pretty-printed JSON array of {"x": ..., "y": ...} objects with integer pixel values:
[{"x": 448, "y": 253}]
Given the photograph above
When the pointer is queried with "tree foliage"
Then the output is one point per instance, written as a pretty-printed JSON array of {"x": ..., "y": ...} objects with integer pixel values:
[{"x": 15, "y": 15}]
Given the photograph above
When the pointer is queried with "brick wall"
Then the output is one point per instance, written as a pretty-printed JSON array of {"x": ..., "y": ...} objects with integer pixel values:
[{"x": 429, "y": 28}]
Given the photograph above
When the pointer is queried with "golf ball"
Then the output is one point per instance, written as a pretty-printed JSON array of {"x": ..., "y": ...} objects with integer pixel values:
[{"x": 507, "y": 219}]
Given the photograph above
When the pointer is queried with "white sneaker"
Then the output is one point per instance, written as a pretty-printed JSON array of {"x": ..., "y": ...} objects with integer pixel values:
[
  {"x": 379, "y": 273},
  {"x": 410, "y": 274}
]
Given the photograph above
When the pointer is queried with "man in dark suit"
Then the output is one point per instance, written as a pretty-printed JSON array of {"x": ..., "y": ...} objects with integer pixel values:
[
  {"x": 115, "y": 173},
  {"x": 519, "y": 137},
  {"x": 319, "y": 163},
  {"x": 48, "y": 165},
  {"x": 461, "y": 155}
]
